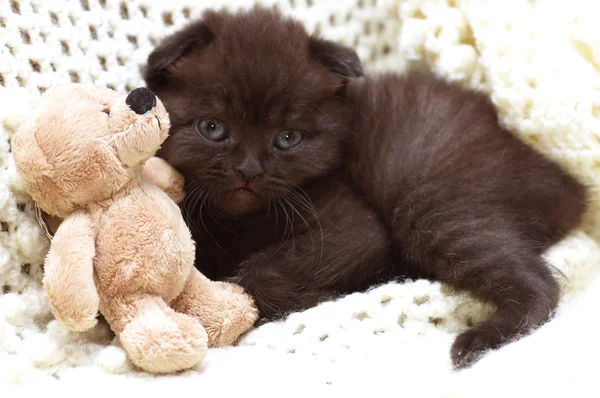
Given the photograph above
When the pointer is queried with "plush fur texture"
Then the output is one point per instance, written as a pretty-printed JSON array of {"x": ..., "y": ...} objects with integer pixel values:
[
  {"x": 396, "y": 176},
  {"x": 123, "y": 248},
  {"x": 465, "y": 202}
]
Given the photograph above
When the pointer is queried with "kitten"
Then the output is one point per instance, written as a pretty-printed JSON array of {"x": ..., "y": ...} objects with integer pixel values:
[
  {"x": 465, "y": 201},
  {"x": 306, "y": 181}
]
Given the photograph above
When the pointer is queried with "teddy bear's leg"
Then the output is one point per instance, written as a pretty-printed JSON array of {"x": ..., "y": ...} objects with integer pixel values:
[
  {"x": 156, "y": 338},
  {"x": 224, "y": 309}
]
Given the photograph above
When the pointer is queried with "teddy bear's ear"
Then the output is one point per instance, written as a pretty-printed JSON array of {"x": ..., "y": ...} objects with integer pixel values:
[
  {"x": 174, "y": 47},
  {"x": 34, "y": 168},
  {"x": 30, "y": 160}
]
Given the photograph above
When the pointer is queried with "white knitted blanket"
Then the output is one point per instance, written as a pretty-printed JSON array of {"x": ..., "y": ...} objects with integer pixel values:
[{"x": 540, "y": 61}]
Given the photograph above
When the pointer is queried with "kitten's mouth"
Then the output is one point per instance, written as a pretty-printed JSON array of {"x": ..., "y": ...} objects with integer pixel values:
[
  {"x": 244, "y": 189},
  {"x": 241, "y": 199}
]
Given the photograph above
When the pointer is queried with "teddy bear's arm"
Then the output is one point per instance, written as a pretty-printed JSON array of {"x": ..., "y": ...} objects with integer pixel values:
[
  {"x": 160, "y": 173},
  {"x": 69, "y": 273}
]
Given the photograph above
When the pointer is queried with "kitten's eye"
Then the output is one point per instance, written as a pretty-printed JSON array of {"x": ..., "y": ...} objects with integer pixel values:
[
  {"x": 213, "y": 129},
  {"x": 288, "y": 139}
]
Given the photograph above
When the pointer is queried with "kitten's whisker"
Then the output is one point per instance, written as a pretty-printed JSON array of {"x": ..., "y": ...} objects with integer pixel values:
[
  {"x": 269, "y": 205},
  {"x": 187, "y": 202},
  {"x": 210, "y": 211},
  {"x": 308, "y": 229},
  {"x": 285, "y": 199},
  {"x": 205, "y": 197},
  {"x": 304, "y": 200},
  {"x": 354, "y": 107},
  {"x": 284, "y": 236},
  {"x": 199, "y": 197},
  {"x": 268, "y": 209},
  {"x": 313, "y": 134},
  {"x": 317, "y": 215},
  {"x": 287, "y": 219},
  {"x": 352, "y": 132}
]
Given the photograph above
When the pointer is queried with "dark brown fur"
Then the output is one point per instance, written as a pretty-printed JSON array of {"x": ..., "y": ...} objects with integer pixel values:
[{"x": 403, "y": 175}]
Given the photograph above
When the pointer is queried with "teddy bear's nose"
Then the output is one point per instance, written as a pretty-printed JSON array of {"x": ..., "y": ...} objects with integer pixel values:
[{"x": 141, "y": 100}]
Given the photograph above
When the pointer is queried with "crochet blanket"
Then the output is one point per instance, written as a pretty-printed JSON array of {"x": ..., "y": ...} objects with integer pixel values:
[{"x": 540, "y": 62}]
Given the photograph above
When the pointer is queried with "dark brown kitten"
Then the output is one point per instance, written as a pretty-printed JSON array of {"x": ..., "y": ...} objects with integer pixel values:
[
  {"x": 465, "y": 201},
  {"x": 305, "y": 181}
]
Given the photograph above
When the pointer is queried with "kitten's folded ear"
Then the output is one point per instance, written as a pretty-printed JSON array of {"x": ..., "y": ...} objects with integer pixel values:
[
  {"x": 339, "y": 59},
  {"x": 172, "y": 48}
]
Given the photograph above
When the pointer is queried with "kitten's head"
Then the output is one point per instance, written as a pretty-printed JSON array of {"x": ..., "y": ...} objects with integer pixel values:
[{"x": 256, "y": 105}]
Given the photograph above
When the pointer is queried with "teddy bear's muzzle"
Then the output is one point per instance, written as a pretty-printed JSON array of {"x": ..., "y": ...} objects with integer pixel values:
[{"x": 141, "y": 100}]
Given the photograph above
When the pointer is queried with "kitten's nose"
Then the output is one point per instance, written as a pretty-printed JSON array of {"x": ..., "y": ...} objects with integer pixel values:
[
  {"x": 249, "y": 175},
  {"x": 249, "y": 170},
  {"x": 141, "y": 100}
]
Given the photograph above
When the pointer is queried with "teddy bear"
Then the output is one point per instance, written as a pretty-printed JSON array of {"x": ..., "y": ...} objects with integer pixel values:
[{"x": 121, "y": 247}]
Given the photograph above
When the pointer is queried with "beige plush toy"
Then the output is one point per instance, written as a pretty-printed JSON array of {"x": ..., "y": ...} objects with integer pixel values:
[{"x": 122, "y": 248}]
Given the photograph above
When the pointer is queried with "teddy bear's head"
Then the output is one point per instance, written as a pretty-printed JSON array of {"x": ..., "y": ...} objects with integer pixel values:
[{"x": 85, "y": 143}]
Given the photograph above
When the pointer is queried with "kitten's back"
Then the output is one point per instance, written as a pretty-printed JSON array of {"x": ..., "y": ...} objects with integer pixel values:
[
  {"x": 425, "y": 140},
  {"x": 466, "y": 202}
]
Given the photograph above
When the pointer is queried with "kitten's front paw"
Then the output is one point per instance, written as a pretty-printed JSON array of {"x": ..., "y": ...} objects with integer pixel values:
[{"x": 470, "y": 346}]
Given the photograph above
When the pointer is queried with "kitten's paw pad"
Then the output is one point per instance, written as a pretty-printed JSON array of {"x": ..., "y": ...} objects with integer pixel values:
[{"x": 470, "y": 346}]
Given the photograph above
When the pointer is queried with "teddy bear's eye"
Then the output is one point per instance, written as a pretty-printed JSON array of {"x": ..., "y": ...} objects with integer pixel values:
[{"x": 107, "y": 111}]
